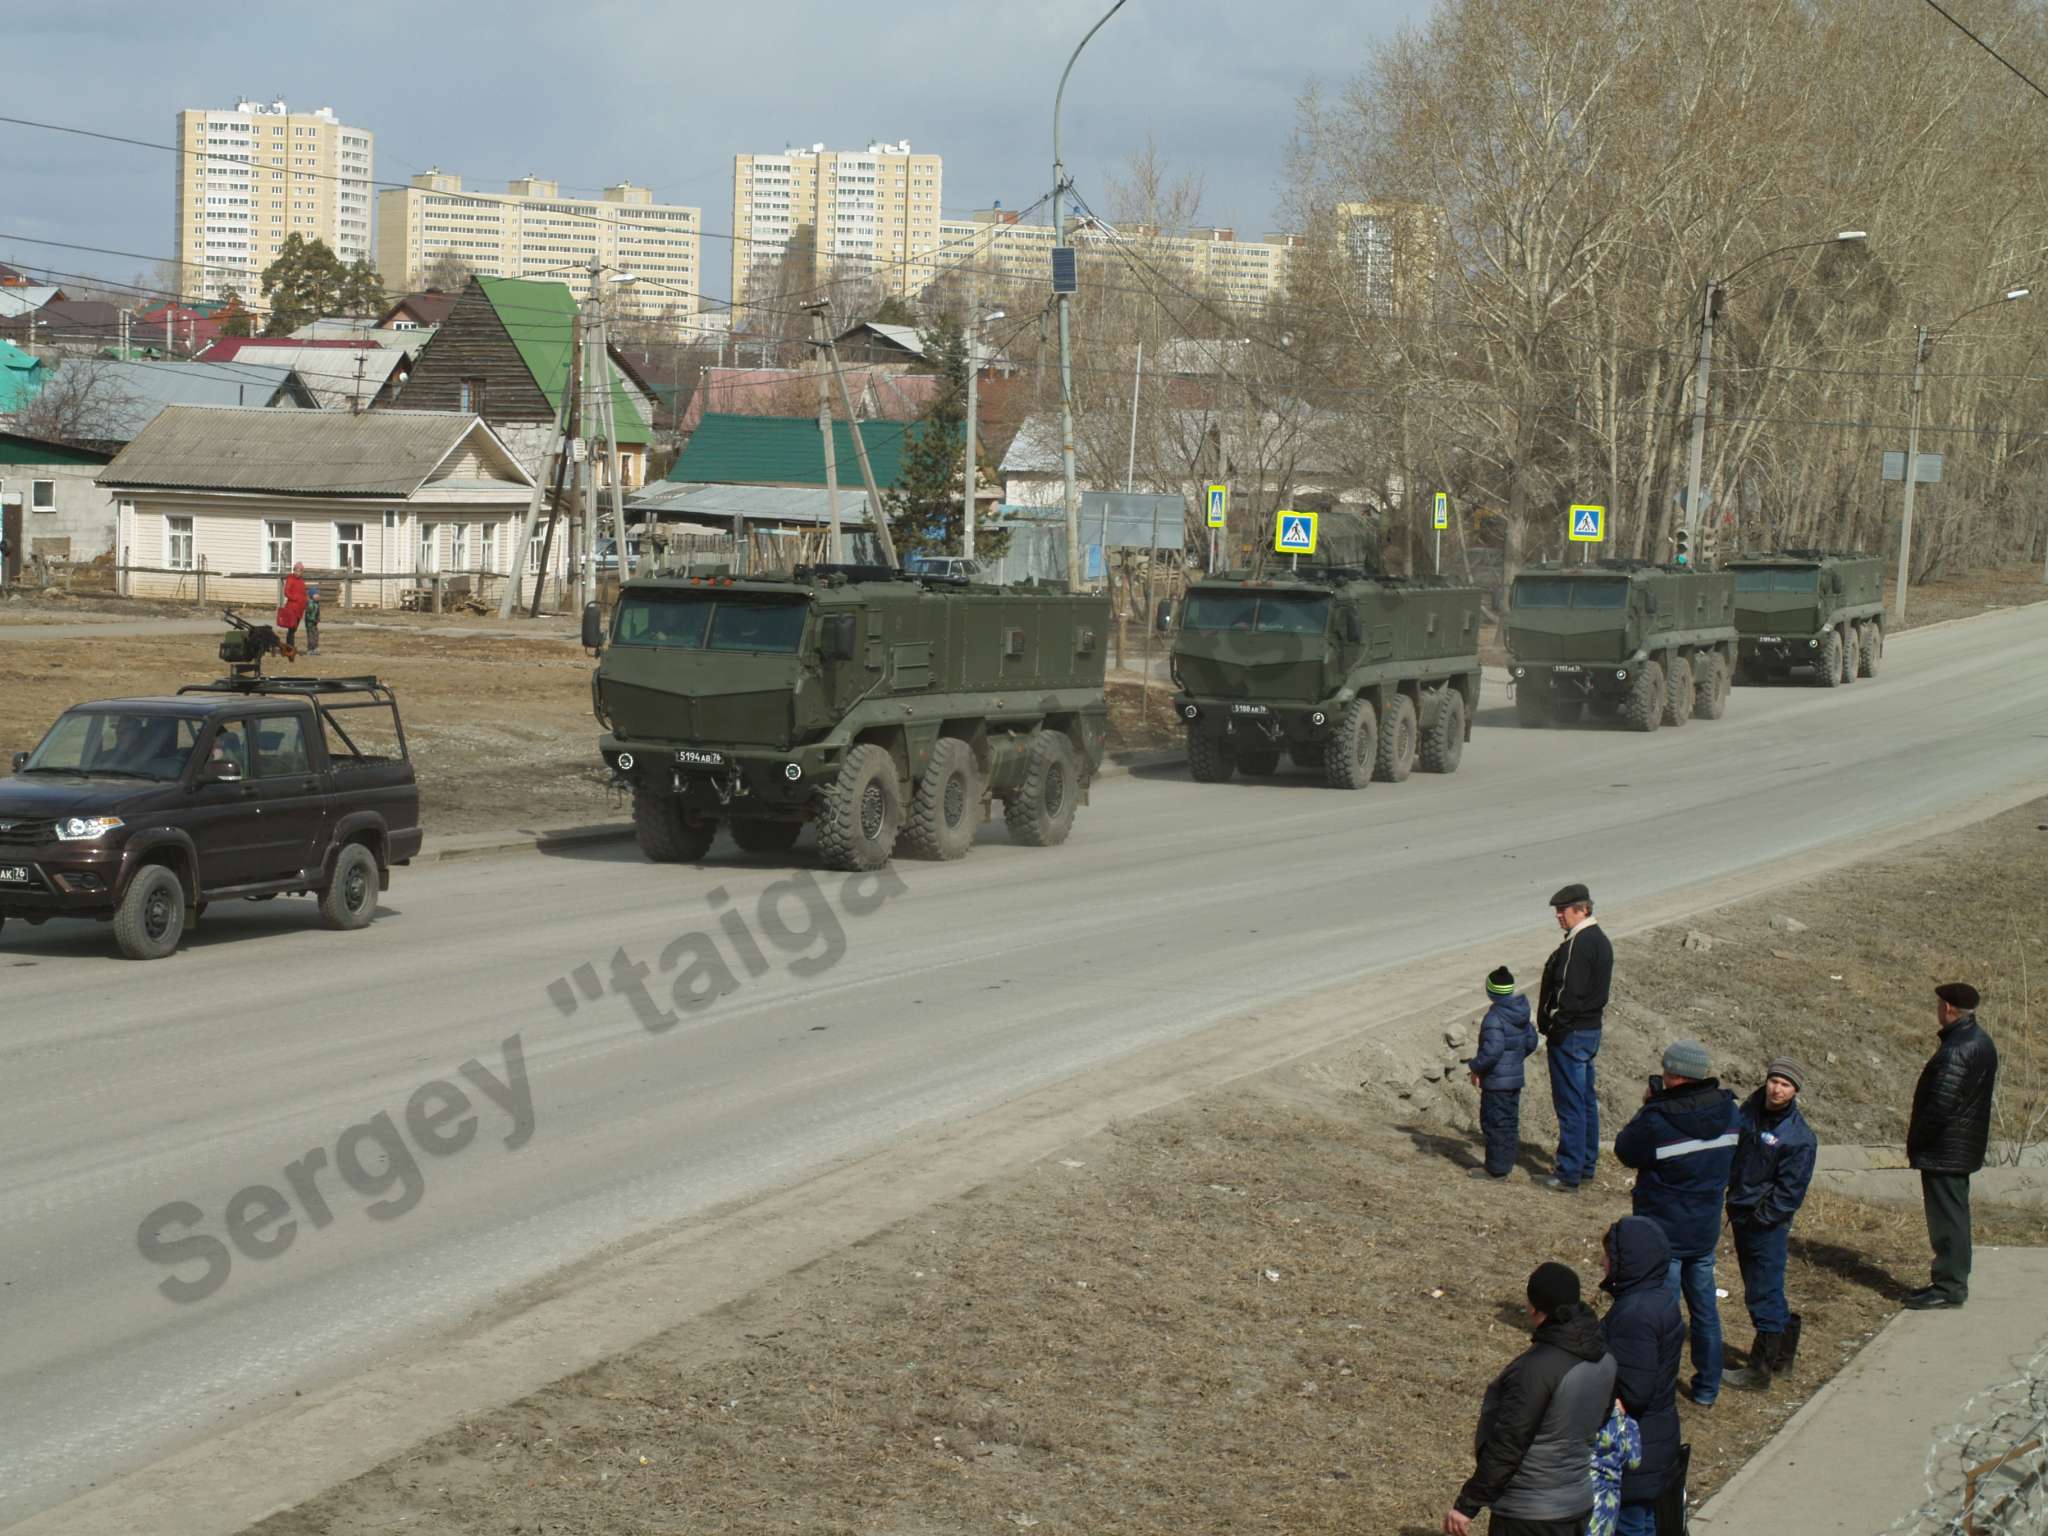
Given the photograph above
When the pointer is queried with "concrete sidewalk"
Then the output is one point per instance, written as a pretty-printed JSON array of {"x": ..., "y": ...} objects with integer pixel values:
[
  {"x": 1855, "y": 1460},
  {"x": 1881, "y": 1174}
]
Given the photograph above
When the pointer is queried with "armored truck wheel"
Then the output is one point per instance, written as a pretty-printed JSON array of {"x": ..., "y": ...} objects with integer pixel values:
[
  {"x": 1396, "y": 755},
  {"x": 1567, "y": 711},
  {"x": 1872, "y": 648},
  {"x": 1352, "y": 747},
  {"x": 862, "y": 811},
  {"x": 1258, "y": 765},
  {"x": 1444, "y": 743},
  {"x": 1211, "y": 759},
  {"x": 1709, "y": 687},
  {"x": 1851, "y": 645},
  {"x": 1827, "y": 669},
  {"x": 1644, "y": 710},
  {"x": 1678, "y": 691},
  {"x": 665, "y": 833},
  {"x": 1041, "y": 813},
  {"x": 946, "y": 803},
  {"x": 755, "y": 834},
  {"x": 1531, "y": 708},
  {"x": 151, "y": 918}
]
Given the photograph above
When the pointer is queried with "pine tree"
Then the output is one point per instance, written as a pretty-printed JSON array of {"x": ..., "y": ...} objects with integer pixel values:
[{"x": 308, "y": 282}]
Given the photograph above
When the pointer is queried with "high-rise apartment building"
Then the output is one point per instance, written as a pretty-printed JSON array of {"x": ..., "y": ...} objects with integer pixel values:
[
  {"x": 531, "y": 230},
  {"x": 841, "y": 214},
  {"x": 1212, "y": 262},
  {"x": 996, "y": 242},
  {"x": 252, "y": 175},
  {"x": 1392, "y": 247}
]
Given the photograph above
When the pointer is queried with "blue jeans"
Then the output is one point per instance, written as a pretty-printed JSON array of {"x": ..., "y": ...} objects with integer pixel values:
[
  {"x": 1637, "y": 1520},
  {"x": 1693, "y": 1279},
  {"x": 1761, "y": 1253},
  {"x": 1573, "y": 1096},
  {"x": 1500, "y": 1117}
]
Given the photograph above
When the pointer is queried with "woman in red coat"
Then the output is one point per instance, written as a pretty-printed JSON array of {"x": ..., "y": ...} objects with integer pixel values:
[{"x": 294, "y": 608}]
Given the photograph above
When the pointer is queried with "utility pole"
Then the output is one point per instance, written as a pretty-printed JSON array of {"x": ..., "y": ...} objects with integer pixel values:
[
  {"x": 876, "y": 511},
  {"x": 1912, "y": 473},
  {"x": 833, "y": 554},
  {"x": 1697, "y": 452},
  {"x": 1137, "y": 384},
  {"x": 968, "y": 487},
  {"x": 607, "y": 416},
  {"x": 558, "y": 448}
]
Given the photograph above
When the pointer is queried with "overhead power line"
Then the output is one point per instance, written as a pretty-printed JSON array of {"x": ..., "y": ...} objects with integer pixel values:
[{"x": 2018, "y": 73}]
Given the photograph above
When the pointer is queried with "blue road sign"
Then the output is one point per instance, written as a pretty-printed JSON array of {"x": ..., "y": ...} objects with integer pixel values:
[
  {"x": 1294, "y": 533},
  {"x": 1588, "y": 525}
]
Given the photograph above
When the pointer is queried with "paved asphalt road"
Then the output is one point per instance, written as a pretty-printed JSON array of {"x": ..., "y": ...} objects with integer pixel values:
[{"x": 124, "y": 1087}]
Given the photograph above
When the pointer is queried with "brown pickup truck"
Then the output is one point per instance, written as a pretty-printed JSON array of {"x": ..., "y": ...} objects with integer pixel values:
[{"x": 142, "y": 811}]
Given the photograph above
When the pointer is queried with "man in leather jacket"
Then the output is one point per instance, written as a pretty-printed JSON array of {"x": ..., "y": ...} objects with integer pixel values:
[
  {"x": 1571, "y": 1005},
  {"x": 1946, "y": 1138}
]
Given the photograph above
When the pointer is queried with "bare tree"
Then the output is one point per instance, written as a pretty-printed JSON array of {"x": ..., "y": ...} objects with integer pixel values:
[{"x": 82, "y": 401}]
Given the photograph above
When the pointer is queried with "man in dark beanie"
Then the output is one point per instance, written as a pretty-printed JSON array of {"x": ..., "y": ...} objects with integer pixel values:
[
  {"x": 1539, "y": 1419},
  {"x": 1773, "y": 1166},
  {"x": 1571, "y": 1005},
  {"x": 1950, "y": 1128}
]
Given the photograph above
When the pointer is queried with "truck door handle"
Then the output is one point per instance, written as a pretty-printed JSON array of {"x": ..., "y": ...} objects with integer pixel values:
[{"x": 311, "y": 785}]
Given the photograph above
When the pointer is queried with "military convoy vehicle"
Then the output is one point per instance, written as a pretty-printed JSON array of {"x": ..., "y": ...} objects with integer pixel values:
[
  {"x": 879, "y": 706},
  {"x": 1352, "y": 675},
  {"x": 1646, "y": 644},
  {"x": 1809, "y": 608}
]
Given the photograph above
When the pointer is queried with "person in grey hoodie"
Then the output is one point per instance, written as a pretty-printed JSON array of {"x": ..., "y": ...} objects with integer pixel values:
[
  {"x": 1506, "y": 1040},
  {"x": 1539, "y": 1419}
]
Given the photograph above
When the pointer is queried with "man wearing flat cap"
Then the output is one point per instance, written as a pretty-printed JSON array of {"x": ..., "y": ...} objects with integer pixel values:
[
  {"x": 1946, "y": 1138},
  {"x": 1571, "y": 1005}
]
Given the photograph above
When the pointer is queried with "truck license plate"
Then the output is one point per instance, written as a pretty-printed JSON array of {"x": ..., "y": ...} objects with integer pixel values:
[
  {"x": 1566, "y": 667},
  {"x": 1248, "y": 709},
  {"x": 13, "y": 874},
  {"x": 690, "y": 757}
]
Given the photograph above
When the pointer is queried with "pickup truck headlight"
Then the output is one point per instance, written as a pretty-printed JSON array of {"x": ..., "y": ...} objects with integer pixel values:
[{"x": 83, "y": 829}]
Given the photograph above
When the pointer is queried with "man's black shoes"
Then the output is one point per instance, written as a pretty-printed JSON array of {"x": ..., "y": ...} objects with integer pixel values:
[{"x": 1928, "y": 1299}]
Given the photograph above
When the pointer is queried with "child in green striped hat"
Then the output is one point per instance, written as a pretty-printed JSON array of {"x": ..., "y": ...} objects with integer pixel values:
[{"x": 1506, "y": 1039}]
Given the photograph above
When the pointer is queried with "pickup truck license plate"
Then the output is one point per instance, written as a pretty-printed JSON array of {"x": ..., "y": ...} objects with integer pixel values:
[
  {"x": 13, "y": 874},
  {"x": 1248, "y": 709},
  {"x": 690, "y": 757}
]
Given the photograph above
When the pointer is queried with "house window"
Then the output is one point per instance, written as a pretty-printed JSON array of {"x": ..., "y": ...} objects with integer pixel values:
[
  {"x": 487, "y": 546},
  {"x": 533, "y": 548},
  {"x": 348, "y": 546},
  {"x": 277, "y": 545},
  {"x": 430, "y": 548},
  {"x": 471, "y": 397},
  {"x": 178, "y": 543},
  {"x": 458, "y": 547},
  {"x": 43, "y": 495}
]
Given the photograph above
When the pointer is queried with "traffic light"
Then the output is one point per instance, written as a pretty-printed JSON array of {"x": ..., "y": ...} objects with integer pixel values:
[{"x": 1684, "y": 542}]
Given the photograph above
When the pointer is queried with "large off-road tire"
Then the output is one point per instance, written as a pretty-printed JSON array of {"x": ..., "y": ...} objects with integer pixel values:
[
  {"x": 758, "y": 834},
  {"x": 1531, "y": 708},
  {"x": 862, "y": 811},
  {"x": 1398, "y": 732},
  {"x": 1872, "y": 649},
  {"x": 664, "y": 833},
  {"x": 1258, "y": 765},
  {"x": 151, "y": 918},
  {"x": 1644, "y": 710},
  {"x": 1444, "y": 743},
  {"x": 1852, "y": 645},
  {"x": 946, "y": 803},
  {"x": 350, "y": 900},
  {"x": 1678, "y": 691},
  {"x": 1709, "y": 687},
  {"x": 1211, "y": 759},
  {"x": 1827, "y": 664},
  {"x": 1567, "y": 711},
  {"x": 1040, "y": 813},
  {"x": 1353, "y": 747}
]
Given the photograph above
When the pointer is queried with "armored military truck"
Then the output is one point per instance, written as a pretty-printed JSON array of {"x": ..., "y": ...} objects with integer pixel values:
[
  {"x": 1625, "y": 640},
  {"x": 1349, "y": 674},
  {"x": 876, "y": 705},
  {"x": 1809, "y": 608}
]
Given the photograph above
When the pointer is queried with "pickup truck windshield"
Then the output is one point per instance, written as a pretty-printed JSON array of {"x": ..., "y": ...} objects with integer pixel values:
[
  {"x": 691, "y": 621},
  {"x": 1558, "y": 592},
  {"x": 1267, "y": 613},
  {"x": 1777, "y": 580},
  {"x": 116, "y": 744}
]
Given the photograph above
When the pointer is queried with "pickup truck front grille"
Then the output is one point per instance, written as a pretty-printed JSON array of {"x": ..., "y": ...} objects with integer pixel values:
[{"x": 27, "y": 834}]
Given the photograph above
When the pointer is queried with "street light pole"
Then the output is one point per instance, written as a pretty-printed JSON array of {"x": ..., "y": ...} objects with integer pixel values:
[
  {"x": 975, "y": 321},
  {"x": 1059, "y": 184}
]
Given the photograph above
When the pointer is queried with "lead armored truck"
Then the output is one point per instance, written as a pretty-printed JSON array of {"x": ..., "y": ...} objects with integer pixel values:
[
  {"x": 884, "y": 709},
  {"x": 1809, "y": 608},
  {"x": 1350, "y": 675},
  {"x": 1625, "y": 640}
]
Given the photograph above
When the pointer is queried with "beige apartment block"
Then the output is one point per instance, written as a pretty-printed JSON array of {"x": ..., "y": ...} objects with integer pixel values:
[
  {"x": 845, "y": 214},
  {"x": 251, "y": 175},
  {"x": 1393, "y": 249},
  {"x": 1212, "y": 262},
  {"x": 994, "y": 242},
  {"x": 532, "y": 231}
]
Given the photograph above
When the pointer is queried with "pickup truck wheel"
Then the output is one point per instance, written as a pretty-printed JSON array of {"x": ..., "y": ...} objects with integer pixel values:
[
  {"x": 1532, "y": 709},
  {"x": 1709, "y": 687},
  {"x": 753, "y": 834},
  {"x": 1827, "y": 666},
  {"x": 1258, "y": 765},
  {"x": 1644, "y": 710},
  {"x": 1353, "y": 747},
  {"x": 1041, "y": 813},
  {"x": 1872, "y": 648},
  {"x": 1211, "y": 759},
  {"x": 151, "y": 918},
  {"x": 664, "y": 833},
  {"x": 1396, "y": 755},
  {"x": 350, "y": 900},
  {"x": 946, "y": 803},
  {"x": 1678, "y": 691},
  {"x": 862, "y": 811},
  {"x": 1444, "y": 745}
]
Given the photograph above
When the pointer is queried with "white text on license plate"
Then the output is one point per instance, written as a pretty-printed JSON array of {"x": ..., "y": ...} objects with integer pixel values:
[
  {"x": 1247, "y": 709},
  {"x": 13, "y": 874}
]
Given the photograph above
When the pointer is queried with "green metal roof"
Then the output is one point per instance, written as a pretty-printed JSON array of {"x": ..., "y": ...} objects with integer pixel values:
[
  {"x": 21, "y": 377},
  {"x": 16, "y": 449},
  {"x": 786, "y": 450},
  {"x": 540, "y": 317}
]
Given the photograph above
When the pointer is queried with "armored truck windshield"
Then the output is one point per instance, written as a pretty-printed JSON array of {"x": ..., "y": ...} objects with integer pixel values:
[
  {"x": 1263, "y": 613},
  {"x": 1552, "y": 592},
  {"x": 1784, "y": 579},
  {"x": 694, "y": 621}
]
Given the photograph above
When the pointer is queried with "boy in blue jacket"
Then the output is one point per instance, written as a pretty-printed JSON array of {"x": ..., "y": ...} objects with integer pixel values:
[
  {"x": 1773, "y": 1167},
  {"x": 1506, "y": 1039}
]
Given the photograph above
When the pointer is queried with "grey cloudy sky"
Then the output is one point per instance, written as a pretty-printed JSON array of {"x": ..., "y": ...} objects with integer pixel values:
[{"x": 665, "y": 95}]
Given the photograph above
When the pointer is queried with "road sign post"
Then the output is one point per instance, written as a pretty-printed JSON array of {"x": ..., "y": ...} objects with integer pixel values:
[
  {"x": 1587, "y": 525},
  {"x": 1294, "y": 533},
  {"x": 1440, "y": 519},
  {"x": 1219, "y": 518}
]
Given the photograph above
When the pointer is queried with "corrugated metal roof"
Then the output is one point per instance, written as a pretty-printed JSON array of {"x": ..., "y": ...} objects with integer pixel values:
[
  {"x": 19, "y": 301},
  {"x": 756, "y": 503},
  {"x": 330, "y": 371},
  {"x": 297, "y": 453},
  {"x": 786, "y": 450},
  {"x": 540, "y": 317},
  {"x": 124, "y": 398}
]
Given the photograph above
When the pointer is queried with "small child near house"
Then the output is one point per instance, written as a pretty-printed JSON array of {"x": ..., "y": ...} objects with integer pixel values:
[
  {"x": 312, "y": 619},
  {"x": 1506, "y": 1038},
  {"x": 1618, "y": 1449}
]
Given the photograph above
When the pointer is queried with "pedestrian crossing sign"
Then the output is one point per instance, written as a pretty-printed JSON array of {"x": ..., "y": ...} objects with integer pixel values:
[
  {"x": 1294, "y": 533},
  {"x": 1588, "y": 525},
  {"x": 1442, "y": 517},
  {"x": 1219, "y": 505}
]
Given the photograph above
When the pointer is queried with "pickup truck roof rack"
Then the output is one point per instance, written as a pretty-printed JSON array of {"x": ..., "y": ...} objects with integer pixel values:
[{"x": 327, "y": 694}]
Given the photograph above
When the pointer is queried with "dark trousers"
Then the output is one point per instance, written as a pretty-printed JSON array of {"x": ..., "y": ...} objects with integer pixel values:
[
  {"x": 1574, "y": 1095},
  {"x": 1508, "y": 1525},
  {"x": 1500, "y": 1117},
  {"x": 1760, "y": 1251},
  {"x": 1946, "y": 1197}
]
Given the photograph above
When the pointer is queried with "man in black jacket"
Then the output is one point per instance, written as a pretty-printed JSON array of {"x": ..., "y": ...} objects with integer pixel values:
[
  {"x": 1950, "y": 1128},
  {"x": 1571, "y": 1005},
  {"x": 1539, "y": 1420}
]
